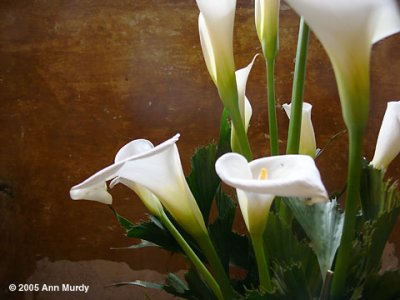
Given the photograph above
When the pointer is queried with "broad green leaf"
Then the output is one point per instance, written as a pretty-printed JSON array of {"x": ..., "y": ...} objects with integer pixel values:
[
  {"x": 221, "y": 229},
  {"x": 285, "y": 251},
  {"x": 203, "y": 180},
  {"x": 291, "y": 282},
  {"x": 323, "y": 224},
  {"x": 224, "y": 142}
]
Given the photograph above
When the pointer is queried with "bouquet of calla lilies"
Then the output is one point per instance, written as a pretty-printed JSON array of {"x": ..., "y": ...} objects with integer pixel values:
[{"x": 299, "y": 243}]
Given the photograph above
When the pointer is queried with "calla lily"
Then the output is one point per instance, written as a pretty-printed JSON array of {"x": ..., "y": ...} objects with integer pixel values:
[
  {"x": 258, "y": 182},
  {"x": 388, "y": 143},
  {"x": 307, "y": 136},
  {"x": 347, "y": 29},
  {"x": 244, "y": 104},
  {"x": 154, "y": 173},
  {"x": 216, "y": 36},
  {"x": 95, "y": 188},
  {"x": 267, "y": 23}
]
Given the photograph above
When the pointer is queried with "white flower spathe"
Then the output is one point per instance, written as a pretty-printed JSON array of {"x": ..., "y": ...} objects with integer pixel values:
[
  {"x": 388, "y": 143},
  {"x": 259, "y": 181},
  {"x": 216, "y": 21},
  {"x": 267, "y": 22},
  {"x": 307, "y": 135},
  {"x": 155, "y": 173},
  {"x": 244, "y": 104},
  {"x": 347, "y": 29}
]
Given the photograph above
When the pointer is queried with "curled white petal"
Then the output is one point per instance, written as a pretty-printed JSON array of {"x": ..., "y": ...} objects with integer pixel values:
[
  {"x": 388, "y": 143},
  {"x": 97, "y": 192},
  {"x": 287, "y": 176},
  {"x": 95, "y": 187},
  {"x": 245, "y": 108}
]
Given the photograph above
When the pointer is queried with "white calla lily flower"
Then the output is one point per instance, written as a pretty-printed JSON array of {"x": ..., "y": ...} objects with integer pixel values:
[
  {"x": 307, "y": 135},
  {"x": 267, "y": 25},
  {"x": 347, "y": 29},
  {"x": 244, "y": 104},
  {"x": 154, "y": 173},
  {"x": 388, "y": 143},
  {"x": 216, "y": 36},
  {"x": 258, "y": 182}
]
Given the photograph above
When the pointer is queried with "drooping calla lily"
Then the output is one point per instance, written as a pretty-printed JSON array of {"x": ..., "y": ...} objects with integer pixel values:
[
  {"x": 388, "y": 143},
  {"x": 95, "y": 188},
  {"x": 244, "y": 104},
  {"x": 216, "y": 36},
  {"x": 267, "y": 25},
  {"x": 347, "y": 29},
  {"x": 307, "y": 136},
  {"x": 153, "y": 172},
  {"x": 259, "y": 181}
]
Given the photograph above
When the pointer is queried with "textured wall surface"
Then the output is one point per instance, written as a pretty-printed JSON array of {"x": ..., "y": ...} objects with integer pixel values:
[{"x": 79, "y": 79}]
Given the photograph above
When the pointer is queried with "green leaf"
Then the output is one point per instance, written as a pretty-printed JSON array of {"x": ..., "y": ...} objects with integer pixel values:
[
  {"x": 142, "y": 244},
  {"x": 221, "y": 230},
  {"x": 285, "y": 251},
  {"x": 146, "y": 284},
  {"x": 323, "y": 224},
  {"x": 125, "y": 223},
  {"x": 151, "y": 232},
  {"x": 175, "y": 286},
  {"x": 199, "y": 290},
  {"x": 291, "y": 282},
  {"x": 372, "y": 191},
  {"x": 203, "y": 180},
  {"x": 224, "y": 142}
]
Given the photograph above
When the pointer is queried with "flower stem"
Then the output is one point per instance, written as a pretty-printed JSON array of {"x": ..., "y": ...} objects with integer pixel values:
[
  {"x": 262, "y": 262},
  {"x": 298, "y": 89},
  {"x": 203, "y": 271},
  {"x": 272, "y": 121},
  {"x": 351, "y": 206},
  {"x": 293, "y": 142},
  {"x": 209, "y": 251},
  {"x": 241, "y": 134}
]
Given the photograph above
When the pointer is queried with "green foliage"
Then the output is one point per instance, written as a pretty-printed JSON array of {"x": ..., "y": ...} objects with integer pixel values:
[
  {"x": 151, "y": 231},
  {"x": 288, "y": 254},
  {"x": 221, "y": 230},
  {"x": 325, "y": 237},
  {"x": 203, "y": 180}
]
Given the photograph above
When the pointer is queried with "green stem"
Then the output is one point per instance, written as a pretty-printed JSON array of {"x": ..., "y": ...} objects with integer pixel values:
[
  {"x": 262, "y": 262},
  {"x": 192, "y": 257},
  {"x": 293, "y": 142},
  {"x": 351, "y": 206},
  {"x": 209, "y": 251},
  {"x": 272, "y": 120},
  {"x": 241, "y": 133}
]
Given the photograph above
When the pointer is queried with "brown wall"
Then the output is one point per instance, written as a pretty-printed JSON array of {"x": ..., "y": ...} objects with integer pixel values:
[{"x": 79, "y": 79}]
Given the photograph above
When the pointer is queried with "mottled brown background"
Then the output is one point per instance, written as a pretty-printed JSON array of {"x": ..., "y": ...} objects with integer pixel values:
[{"x": 79, "y": 79}]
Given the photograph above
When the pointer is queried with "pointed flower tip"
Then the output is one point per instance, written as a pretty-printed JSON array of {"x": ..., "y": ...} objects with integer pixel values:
[{"x": 388, "y": 142}]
